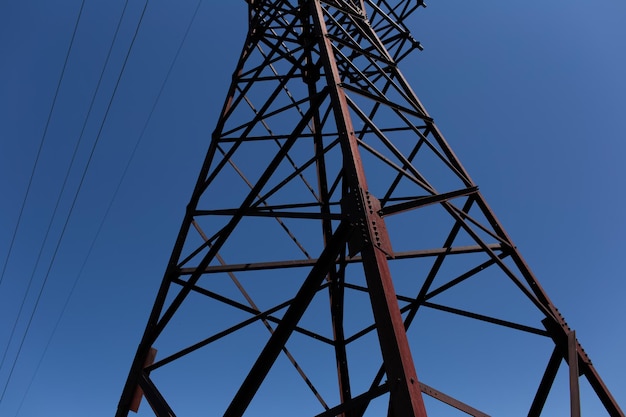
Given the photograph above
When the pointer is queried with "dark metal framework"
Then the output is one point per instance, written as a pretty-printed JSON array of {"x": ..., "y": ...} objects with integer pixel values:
[{"x": 322, "y": 157}]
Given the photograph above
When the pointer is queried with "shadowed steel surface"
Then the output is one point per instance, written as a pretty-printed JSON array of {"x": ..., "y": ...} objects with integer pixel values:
[{"x": 335, "y": 248}]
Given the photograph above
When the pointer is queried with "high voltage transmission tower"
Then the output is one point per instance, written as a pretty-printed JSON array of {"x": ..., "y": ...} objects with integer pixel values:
[{"x": 325, "y": 178}]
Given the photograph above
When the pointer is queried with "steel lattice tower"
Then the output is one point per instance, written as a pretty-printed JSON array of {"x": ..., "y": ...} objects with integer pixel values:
[{"x": 322, "y": 157}]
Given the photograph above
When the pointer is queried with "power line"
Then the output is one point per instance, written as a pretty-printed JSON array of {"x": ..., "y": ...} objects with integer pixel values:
[
  {"x": 65, "y": 181},
  {"x": 43, "y": 137},
  {"x": 110, "y": 205},
  {"x": 75, "y": 199}
]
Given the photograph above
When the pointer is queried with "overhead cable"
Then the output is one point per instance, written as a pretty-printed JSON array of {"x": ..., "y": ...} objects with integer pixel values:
[{"x": 74, "y": 200}]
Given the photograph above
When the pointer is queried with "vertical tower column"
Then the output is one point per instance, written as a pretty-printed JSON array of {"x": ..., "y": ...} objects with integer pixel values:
[{"x": 406, "y": 397}]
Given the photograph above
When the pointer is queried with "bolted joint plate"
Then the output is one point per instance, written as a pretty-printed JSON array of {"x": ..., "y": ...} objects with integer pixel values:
[{"x": 364, "y": 212}]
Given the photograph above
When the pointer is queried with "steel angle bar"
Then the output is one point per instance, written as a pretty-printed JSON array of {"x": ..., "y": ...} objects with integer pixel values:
[
  {"x": 412, "y": 312},
  {"x": 307, "y": 164},
  {"x": 139, "y": 394},
  {"x": 235, "y": 219},
  {"x": 488, "y": 319},
  {"x": 219, "y": 335},
  {"x": 560, "y": 333},
  {"x": 393, "y": 78},
  {"x": 426, "y": 201},
  {"x": 451, "y": 401},
  {"x": 293, "y": 105},
  {"x": 502, "y": 239},
  {"x": 417, "y": 177},
  {"x": 402, "y": 116},
  {"x": 508, "y": 272},
  {"x": 273, "y": 213},
  {"x": 434, "y": 270},
  {"x": 443, "y": 251},
  {"x": 207, "y": 243},
  {"x": 389, "y": 83},
  {"x": 281, "y": 49},
  {"x": 356, "y": 401},
  {"x": 398, "y": 128},
  {"x": 344, "y": 7},
  {"x": 401, "y": 10},
  {"x": 256, "y": 73},
  {"x": 390, "y": 23},
  {"x": 254, "y": 310},
  {"x": 546, "y": 383},
  {"x": 260, "y": 138},
  {"x": 363, "y": 30},
  {"x": 293, "y": 206},
  {"x": 418, "y": 180},
  {"x": 267, "y": 78},
  {"x": 217, "y": 297},
  {"x": 448, "y": 155},
  {"x": 572, "y": 359},
  {"x": 348, "y": 42},
  {"x": 405, "y": 395},
  {"x": 160, "y": 407},
  {"x": 464, "y": 276},
  {"x": 396, "y": 181},
  {"x": 261, "y": 114},
  {"x": 299, "y": 263},
  {"x": 291, "y": 317},
  {"x": 548, "y": 308},
  {"x": 383, "y": 100},
  {"x": 282, "y": 224}
]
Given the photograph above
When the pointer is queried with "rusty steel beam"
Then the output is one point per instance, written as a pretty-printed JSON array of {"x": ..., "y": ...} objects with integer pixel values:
[
  {"x": 345, "y": 143},
  {"x": 134, "y": 406},
  {"x": 451, "y": 401},
  {"x": 406, "y": 398},
  {"x": 157, "y": 402},
  {"x": 572, "y": 359},
  {"x": 303, "y": 263},
  {"x": 546, "y": 383},
  {"x": 279, "y": 337}
]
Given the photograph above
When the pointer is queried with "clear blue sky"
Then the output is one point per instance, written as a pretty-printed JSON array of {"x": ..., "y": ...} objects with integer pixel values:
[{"x": 531, "y": 96}]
